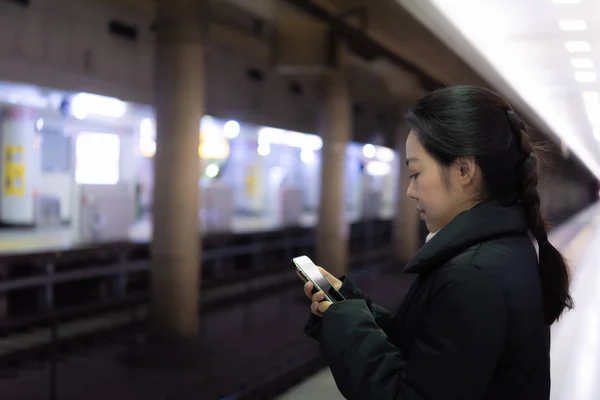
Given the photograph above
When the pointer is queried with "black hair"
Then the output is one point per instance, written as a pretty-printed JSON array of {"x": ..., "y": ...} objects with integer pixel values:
[{"x": 468, "y": 121}]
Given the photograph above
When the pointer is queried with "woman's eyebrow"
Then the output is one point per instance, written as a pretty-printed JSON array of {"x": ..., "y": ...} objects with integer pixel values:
[{"x": 412, "y": 159}]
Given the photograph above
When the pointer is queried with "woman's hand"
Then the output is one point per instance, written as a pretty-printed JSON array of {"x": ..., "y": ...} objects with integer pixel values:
[{"x": 319, "y": 306}]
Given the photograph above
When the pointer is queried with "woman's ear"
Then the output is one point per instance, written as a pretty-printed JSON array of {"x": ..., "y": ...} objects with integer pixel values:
[{"x": 466, "y": 170}]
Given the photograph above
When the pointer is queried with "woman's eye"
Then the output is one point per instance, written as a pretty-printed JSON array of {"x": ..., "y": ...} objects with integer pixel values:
[{"x": 414, "y": 176}]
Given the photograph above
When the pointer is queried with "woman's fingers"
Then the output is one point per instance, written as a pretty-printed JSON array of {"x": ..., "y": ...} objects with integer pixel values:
[
  {"x": 314, "y": 307},
  {"x": 337, "y": 284},
  {"x": 319, "y": 296},
  {"x": 325, "y": 273},
  {"x": 308, "y": 288}
]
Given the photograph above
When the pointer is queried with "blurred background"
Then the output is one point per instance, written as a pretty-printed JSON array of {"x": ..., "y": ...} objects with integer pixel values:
[{"x": 163, "y": 161}]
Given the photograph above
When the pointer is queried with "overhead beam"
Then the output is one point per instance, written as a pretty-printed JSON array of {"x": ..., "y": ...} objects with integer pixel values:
[
  {"x": 143, "y": 8},
  {"x": 362, "y": 44},
  {"x": 301, "y": 44}
]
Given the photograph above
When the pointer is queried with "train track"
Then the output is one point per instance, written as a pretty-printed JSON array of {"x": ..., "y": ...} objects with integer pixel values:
[
  {"x": 260, "y": 362},
  {"x": 30, "y": 341}
]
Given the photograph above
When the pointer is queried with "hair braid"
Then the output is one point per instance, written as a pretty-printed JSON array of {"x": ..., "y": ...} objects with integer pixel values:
[{"x": 553, "y": 269}]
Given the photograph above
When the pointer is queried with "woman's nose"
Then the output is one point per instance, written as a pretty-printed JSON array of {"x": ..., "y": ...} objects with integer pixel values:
[{"x": 410, "y": 192}]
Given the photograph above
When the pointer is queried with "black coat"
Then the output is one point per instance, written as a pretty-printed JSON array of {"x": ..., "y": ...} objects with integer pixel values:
[{"x": 470, "y": 327}]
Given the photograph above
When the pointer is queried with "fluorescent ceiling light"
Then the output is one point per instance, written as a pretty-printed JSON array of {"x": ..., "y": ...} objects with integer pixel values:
[
  {"x": 585, "y": 76},
  {"x": 501, "y": 53},
  {"x": 572, "y": 25},
  {"x": 578, "y": 47},
  {"x": 582, "y": 63}
]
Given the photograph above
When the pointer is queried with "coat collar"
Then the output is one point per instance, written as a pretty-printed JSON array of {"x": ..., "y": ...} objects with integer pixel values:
[{"x": 480, "y": 223}]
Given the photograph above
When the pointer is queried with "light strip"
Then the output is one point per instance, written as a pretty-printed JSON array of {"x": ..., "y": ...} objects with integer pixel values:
[
  {"x": 582, "y": 63},
  {"x": 585, "y": 76},
  {"x": 500, "y": 54},
  {"x": 572, "y": 25},
  {"x": 578, "y": 47}
]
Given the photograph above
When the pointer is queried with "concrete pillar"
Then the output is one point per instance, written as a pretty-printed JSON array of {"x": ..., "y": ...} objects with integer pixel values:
[
  {"x": 179, "y": 101},
  {"x": 336, "y": 129},
  {"x": 406, "y": 219}
]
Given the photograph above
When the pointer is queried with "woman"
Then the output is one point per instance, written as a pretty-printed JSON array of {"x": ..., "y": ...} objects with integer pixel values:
[{"x": 476, "y": 322}]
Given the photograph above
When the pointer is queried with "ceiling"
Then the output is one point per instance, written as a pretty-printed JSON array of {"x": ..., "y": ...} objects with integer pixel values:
[
  {"x": 396, "y": 29},
  {"x": 517, "y": 46},
  {"x": 521, "y": 46}
]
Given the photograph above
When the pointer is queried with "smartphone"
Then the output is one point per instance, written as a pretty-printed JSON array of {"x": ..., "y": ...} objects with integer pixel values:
[{"x": 311, "y": 273}]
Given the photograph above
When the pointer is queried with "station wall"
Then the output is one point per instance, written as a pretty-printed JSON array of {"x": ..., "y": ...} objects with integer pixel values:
[{"x": 68, "y": 45}]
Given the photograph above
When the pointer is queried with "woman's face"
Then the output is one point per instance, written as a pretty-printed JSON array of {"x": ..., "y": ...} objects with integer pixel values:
[{"x": 438, "y": 202}]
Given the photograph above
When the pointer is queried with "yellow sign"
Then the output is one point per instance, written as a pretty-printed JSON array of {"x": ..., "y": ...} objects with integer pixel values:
[
  {"x": 14, "y": 171},
  {"x": 251, "y": 183}
]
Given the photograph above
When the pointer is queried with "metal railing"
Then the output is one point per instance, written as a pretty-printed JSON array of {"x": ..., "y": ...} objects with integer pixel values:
[
  {"x": 238, "y": 270},
  {"x": 87, "y": 280}
]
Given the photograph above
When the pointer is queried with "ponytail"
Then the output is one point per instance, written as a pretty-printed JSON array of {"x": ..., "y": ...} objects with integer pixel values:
[{"x": 553, "y": 269}]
